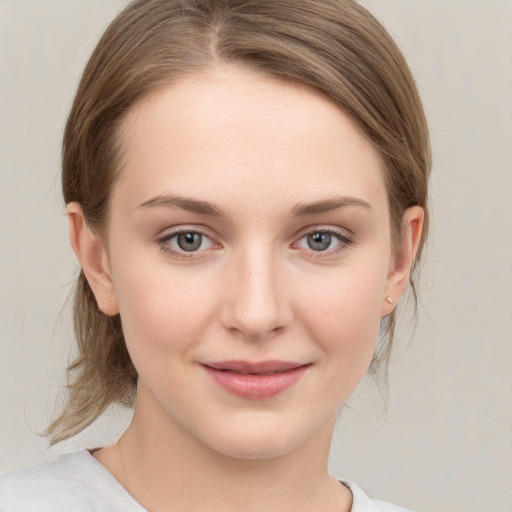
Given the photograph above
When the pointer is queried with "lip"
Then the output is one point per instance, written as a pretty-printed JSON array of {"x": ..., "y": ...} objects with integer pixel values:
[{"x": 255, "y": 380}]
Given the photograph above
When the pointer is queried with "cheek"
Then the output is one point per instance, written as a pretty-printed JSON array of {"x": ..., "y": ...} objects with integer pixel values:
[
  {"x": 162, "y": 307},
  {"x": 343, "y": 316}
]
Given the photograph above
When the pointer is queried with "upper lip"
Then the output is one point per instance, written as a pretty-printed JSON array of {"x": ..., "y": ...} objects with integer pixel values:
[{"x": 254, "y": 368}]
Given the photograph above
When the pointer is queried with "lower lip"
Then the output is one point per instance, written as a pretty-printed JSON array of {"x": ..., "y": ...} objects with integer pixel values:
[{"x": 256, "y": 386}]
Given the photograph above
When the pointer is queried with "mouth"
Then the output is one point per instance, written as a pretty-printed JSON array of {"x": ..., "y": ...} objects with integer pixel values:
[{"x": 255, "y": 380}]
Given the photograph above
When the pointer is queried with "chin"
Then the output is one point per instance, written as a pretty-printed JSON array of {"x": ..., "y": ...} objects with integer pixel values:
[
  {"x": 256, "y": 449},
  {"x": 261, "y": 440}
]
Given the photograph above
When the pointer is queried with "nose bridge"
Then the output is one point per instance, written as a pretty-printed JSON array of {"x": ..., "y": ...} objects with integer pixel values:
[{"x": 258, "y": 304}]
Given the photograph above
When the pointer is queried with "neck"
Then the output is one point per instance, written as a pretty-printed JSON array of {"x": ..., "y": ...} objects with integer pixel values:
[{"x": 162, "y": 464}]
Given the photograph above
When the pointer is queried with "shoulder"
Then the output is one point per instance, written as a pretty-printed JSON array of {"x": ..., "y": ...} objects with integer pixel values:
[
  {"x": 362, "y": 503},
  {"x": 56, "y": 486},
  {"x": 74, "y": 481}
]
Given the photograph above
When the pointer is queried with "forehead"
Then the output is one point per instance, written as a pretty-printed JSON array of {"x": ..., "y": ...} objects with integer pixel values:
[{"x": 233, "y": 130}]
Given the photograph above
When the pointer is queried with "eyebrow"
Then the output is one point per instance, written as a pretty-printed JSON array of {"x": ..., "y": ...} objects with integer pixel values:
[
  {"x": 299, "y": 210},
  {"x": 185, "y": 203},
  {"x": 328, "y": 205}
]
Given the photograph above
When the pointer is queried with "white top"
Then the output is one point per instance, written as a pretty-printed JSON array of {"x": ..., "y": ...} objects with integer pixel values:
[{"x": 78, "y": 482}]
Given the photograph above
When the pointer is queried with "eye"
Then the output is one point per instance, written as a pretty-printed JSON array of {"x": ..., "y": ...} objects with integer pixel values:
[
  {"x": 319, "y": 241},
  {"x": 189, "y": 242},
  {"x": 185, "y": 242},
  {"x": 323, "y": 241}
]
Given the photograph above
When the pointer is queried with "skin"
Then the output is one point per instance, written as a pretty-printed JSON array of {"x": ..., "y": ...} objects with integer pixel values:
[{"x": 260, "y": 153}]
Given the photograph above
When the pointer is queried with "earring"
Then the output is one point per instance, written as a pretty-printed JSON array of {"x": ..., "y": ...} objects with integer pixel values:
[{"x": 389, "y": 300}]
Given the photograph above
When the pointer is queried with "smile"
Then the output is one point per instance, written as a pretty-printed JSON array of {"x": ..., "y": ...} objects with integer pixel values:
[{"x": 255, "y": 380}]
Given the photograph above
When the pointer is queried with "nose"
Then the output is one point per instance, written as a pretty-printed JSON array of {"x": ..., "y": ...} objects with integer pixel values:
[{"x": 256, "y": 305}]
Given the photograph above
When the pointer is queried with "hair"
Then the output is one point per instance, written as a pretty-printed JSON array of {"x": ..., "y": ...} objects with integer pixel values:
[{"x": 335, "y": 47}]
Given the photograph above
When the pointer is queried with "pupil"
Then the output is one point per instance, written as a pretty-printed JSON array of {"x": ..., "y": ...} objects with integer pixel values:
[
  {"x": 319, "y": 241},
  {"x": 190, "y": 241}
]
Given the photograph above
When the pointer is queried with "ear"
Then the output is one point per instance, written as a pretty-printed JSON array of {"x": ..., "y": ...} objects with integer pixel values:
[
  {"x": 93, "y": 258},
  {"x": 403, "y": 258}
]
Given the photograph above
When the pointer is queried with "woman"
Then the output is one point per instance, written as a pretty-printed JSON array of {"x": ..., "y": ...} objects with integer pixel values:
[{"x": 246, "y": 189}]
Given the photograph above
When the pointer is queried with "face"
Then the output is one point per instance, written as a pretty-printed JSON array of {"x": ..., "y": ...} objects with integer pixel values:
[{"x": 250, "y": 258}]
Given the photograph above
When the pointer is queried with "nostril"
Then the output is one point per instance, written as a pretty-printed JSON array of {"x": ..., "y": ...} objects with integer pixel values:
[{"x": 256, "y": 305}]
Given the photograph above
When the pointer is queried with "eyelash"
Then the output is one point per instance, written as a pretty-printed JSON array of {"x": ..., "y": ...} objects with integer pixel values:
[
  {"x": 163, "y": 243},
  {"x": 344, "y": 242}
]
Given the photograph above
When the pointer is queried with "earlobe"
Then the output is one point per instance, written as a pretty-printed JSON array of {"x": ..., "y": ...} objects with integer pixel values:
[
  {"x": 93, "y": 259},
  {"x": 405, "y": 254}
]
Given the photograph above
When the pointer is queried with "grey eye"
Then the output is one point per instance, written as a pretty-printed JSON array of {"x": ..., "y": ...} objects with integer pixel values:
[
  {"x": 189, "y": 242},
  {"x": 319, "y": 241}
]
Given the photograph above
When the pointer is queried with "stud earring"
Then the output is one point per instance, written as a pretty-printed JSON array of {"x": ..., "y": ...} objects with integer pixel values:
[{"x": 389, "y": 300}]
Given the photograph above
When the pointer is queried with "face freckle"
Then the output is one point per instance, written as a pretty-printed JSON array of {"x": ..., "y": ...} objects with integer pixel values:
[{"x": 234, "y": 157}]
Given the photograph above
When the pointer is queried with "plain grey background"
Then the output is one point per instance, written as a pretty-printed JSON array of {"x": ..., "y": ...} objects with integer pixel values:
[{"x": 444, "y": 444}]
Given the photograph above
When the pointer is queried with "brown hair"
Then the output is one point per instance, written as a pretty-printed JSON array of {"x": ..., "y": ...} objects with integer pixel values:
[{"x": 333, "y": 46}]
